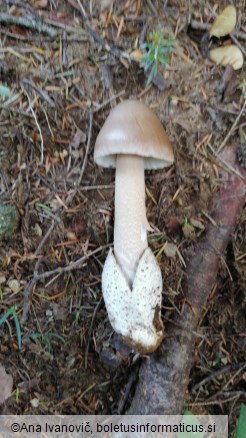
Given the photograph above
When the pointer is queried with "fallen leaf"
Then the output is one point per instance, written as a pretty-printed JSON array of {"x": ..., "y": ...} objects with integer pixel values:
[
  {"x": 227, "y": 55},
  {"x": 197, "y": 224},
  {"x": 6, "y": 385},
  {"x": 40, "y": 4},
  {"x": 137, "y": 55},
  {"x": 225, "y": 23}
]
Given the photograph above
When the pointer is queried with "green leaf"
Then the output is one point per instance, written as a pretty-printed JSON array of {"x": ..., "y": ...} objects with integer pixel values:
[
  {"x": 185, "y": 223},
  {"x": 12, "y": 311},
  {"x": 35, "y": 336},
  {"x": 46, "y": 338},
  {"x": 4, "y": 91},
  {"x": 190, "y": 419},
  {"x": 156, "y": 49},
  {"x": 241, "y": 425},
  {"x": 18, "y": 330},
  {"x": 43, "y": 206},
  {"x": 65, "y": 74},
  {"x": 55, "y": 335},
  {"x": 7, "y": 314}
]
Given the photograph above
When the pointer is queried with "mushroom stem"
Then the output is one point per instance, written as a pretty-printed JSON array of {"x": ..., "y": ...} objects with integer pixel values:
[{"x": 131, "y": 225}]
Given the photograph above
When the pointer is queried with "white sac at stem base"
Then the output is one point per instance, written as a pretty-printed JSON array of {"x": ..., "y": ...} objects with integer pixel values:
[{"x": 135, "y": 313}]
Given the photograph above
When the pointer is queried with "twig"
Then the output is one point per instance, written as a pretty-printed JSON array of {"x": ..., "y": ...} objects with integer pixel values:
[
  {"x": 215, "y": 374},
  {"x": 152, "y": 7},
  {"x": 103, "y": 187},
  {"x": 36, "y": 121},
  {"x": 9, "y": 109},
  {"x": 28, "y": 23},
  {"x": 197, "y": 25},
  {"x": 106, "y": 102},
  {"x": 90, "y": 331},
  {"x": 73, "y": 265},
  {"x": 43, "y": 94},
  {"x": 232, "y": 128},
  {"x": 21, "y": 5},
  {"x": 215, "y": 402},
  {"x": 70, "y": 198},
  {"x": 235, "y": 40},
  {"x": 227, "y": 165},
  {"x": 82, "y": 9},
  {"x": 28, "y": 291},
  {"x": 132, "y": 379},
  {"x": 41, "y": 245},
  {"x": 108, "y": 47},
  {"x": 86, "y": 150},
  {"x": 242, "y": 368}
]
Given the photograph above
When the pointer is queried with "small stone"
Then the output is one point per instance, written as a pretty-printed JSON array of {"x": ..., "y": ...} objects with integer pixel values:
[
  {"x": 14, "y": 285},
  {"x": 34, "y": 402},
  {"x": 71, "y": 236},
  {"x": 170, "y": 250},
  {"x": 38, "y": 230}
]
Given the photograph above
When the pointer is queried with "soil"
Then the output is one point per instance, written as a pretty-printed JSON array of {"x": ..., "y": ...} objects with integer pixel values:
[{"x": 61, "y": 91}]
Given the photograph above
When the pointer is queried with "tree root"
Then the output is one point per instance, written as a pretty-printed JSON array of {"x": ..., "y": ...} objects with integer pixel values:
[{"x": 164, "y": 375}]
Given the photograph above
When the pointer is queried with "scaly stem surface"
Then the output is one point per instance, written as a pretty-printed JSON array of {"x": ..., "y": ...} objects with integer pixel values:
[{"x": 130, "y": 225}]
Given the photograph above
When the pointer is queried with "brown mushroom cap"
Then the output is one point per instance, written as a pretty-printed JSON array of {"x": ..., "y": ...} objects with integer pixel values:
[{"x": 133, "y": 129}]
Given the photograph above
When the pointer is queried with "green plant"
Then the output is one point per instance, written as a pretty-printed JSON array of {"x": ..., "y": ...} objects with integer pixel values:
[
  {"x": 185, "y": 223},
  {"x": 243, "y": 88},
  {"x": 12, "y": 312},
  {"x": 190, "y": 420},
  {"x": 241, "y": 425},
  {"x": 157, "y": 53},
  {"x": 46, "y": 338},
  {"x": 77, "y": 316}
]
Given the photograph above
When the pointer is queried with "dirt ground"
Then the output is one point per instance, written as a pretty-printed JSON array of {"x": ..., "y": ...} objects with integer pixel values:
[{"x": 62, "y": 88}]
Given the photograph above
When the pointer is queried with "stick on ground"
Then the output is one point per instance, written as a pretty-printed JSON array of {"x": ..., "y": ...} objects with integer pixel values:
[{"x": 164, "y": 375}]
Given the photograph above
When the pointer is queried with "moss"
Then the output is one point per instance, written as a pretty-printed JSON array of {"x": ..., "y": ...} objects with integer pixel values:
[{"x": 9, "y": 219}]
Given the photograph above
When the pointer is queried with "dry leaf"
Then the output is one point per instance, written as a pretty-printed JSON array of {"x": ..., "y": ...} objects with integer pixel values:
[
  {"x": 6, "y": 385},
  {"x": 231, "y": 55},
  {"x": 40, "y": 4},
  {"x": 137, "y": 55},
  {"x": 225, "y": 23}
]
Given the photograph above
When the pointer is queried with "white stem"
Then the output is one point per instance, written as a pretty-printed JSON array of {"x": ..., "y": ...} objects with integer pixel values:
[{"x": 130, "y": 225}]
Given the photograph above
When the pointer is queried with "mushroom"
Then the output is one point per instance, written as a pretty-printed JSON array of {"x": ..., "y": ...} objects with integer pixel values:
[{"x": 131, "y": 140}]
